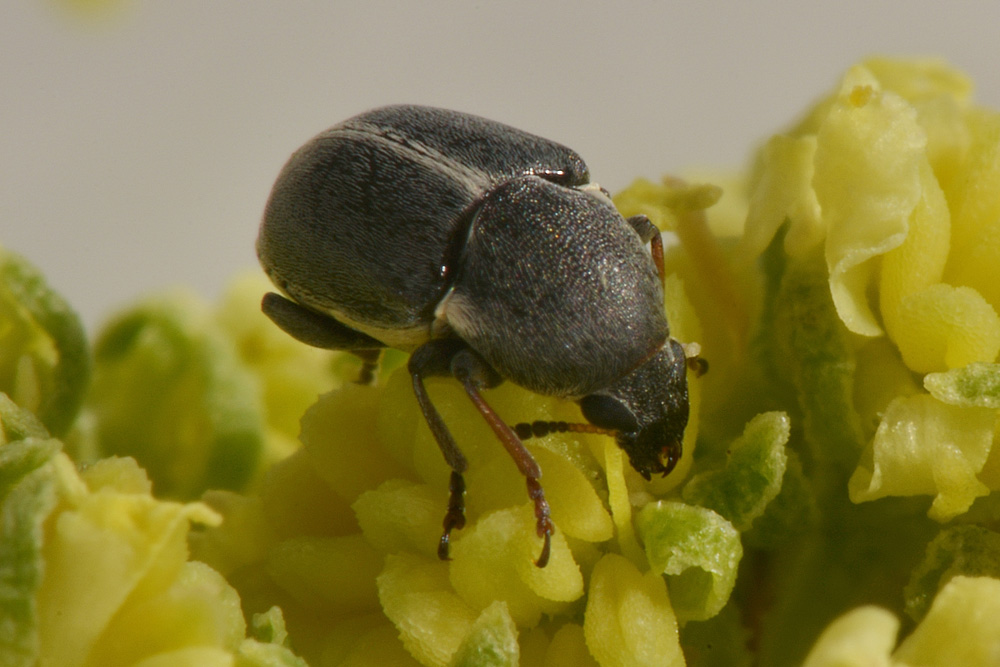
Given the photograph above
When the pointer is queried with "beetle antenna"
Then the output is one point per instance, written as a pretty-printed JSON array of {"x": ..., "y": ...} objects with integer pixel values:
[{"x": 540, "y": 428}]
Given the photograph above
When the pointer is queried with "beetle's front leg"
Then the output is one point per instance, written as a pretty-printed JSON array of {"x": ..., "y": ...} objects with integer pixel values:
[
  {"x": 648, "y": 232},
  {"x": 475, "y": 374}
]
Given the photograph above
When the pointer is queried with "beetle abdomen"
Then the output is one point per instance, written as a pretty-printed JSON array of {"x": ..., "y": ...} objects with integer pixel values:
[
  {"x": 365, "y": 220},
  {"x": 353, "y": 229},
  {"x": 555, "y": 290}
]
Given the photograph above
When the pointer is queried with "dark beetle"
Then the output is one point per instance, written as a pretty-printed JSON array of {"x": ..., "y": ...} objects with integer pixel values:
[{"x": 486, "y": 252}]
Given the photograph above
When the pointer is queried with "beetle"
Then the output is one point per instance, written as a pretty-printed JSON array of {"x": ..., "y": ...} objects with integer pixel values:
[{"x": 487, "y": 253}]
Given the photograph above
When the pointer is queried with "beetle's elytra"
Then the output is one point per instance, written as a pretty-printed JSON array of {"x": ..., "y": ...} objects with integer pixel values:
[{"x": 486, "y": 252}]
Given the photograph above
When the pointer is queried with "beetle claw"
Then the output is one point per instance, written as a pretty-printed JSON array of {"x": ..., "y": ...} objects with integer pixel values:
[
  {"x": 543, "y": 520},
  {"x": 455, "y": 517},
  {"x": 443, "y": 547},
  {"x": 543, "y": 558}
]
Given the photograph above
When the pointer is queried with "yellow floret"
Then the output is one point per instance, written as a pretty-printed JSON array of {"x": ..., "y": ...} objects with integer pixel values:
[
  {"x": 494, "y": 560},
  {"x": 959, "y": 629},
  {"x": 863, "y": 637},
  {"x": 975, "y": 199},
  {"x": 417, "y": 597},
  {"x": 117, "y": 586},
  {"x": 784, "y": 192},
  {"x": 629, "y": 621},
  {"x": 868, "y": 154},
  {"x": 924, "y": 446}
]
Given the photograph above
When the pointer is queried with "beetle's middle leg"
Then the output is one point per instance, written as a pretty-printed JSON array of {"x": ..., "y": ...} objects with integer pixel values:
[{"x": 428, "y": 360}]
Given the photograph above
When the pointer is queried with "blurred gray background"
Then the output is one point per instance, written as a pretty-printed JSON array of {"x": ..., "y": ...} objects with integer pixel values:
[{"x": 138, "y": 145}]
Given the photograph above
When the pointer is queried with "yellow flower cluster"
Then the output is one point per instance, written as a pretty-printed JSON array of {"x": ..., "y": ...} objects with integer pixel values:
[
  {"x": 839, "y": 467},
  {"x": 97, "y": 571},
  {"x": 345, "y": 536},
  {"x": 896, "y": 178}
]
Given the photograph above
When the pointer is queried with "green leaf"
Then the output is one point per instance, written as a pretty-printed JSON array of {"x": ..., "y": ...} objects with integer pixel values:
[
  {"x": 960, "y": 550},
  {"x": 44, "y": 357},
  {"x": 16, "y": 423},
  {"x": 28, "y": 493},
  {"x": 697, "y": 549},
  {"x": 974, "y": 385},
  {"x": 491, "y": 642},
  {"x": 755, "y": 466},
  {"x": 818, "y": 358},
  {"x": 170, "y": 390}
]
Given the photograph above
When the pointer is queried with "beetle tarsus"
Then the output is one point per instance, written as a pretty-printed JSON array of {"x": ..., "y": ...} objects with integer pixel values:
[
  {"x": 543, "y": 519},
  {"x": 698, "y": 365},
  {"x": 454, "y": 519},
  {"x": 369, "y": 366},
  {"x": 434, "y": 358}
]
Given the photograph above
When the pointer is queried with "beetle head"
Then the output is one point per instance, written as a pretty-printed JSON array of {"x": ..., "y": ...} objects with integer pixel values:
[{"x": 647, "y": 409}]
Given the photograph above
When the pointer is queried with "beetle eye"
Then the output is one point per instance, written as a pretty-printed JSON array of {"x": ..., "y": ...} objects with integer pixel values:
[{"x": 608, "y": 412}]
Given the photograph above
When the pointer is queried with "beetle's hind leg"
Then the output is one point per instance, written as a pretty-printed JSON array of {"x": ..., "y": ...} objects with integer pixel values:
[{"x": 319, "y": 330}]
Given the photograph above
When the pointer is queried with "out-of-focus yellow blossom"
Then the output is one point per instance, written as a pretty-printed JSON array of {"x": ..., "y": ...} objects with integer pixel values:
[
  {"x": 95, "y": 569},
  {"x": 866, "y": 263},
  {"x": 959, "y": 629},
  {"x": 169, "y": 390},
  {"x": 863, "y": 637},
  {"x": 291, "y": 375},
  {"x": 205, "y": 398},
  {"x": 896, "y": 175}
]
